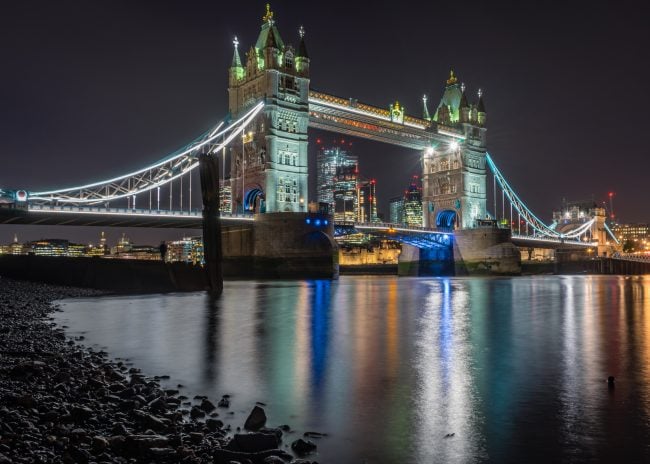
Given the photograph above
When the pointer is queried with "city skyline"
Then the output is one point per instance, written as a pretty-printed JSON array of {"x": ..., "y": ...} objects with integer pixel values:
[{"x": 578, "y": 177}]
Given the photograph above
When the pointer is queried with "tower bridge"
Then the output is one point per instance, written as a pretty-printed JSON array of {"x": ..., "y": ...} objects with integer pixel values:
[{"x": 265, "y": 138}]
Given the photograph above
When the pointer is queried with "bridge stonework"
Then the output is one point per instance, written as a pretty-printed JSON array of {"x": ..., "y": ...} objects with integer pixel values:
[
  {"x": 269, "y": 162},
  {"x": 454, "y": 173}
]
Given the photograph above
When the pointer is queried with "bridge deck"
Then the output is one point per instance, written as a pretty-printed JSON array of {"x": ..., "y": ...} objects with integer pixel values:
[{"x": 112, "y": 217}]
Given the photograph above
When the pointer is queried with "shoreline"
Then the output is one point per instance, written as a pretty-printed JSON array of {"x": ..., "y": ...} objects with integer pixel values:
[{"x": 63, "y": 402}]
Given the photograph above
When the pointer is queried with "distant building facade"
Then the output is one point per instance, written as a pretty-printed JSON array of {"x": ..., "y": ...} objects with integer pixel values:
[
  {"x": 186, "y": 250},
  {"x": 413, "y": 204},
  {"x": 396, "y": 214},
  {"x": 367, "y": 201},
  {"x": 331, "y": 163}
]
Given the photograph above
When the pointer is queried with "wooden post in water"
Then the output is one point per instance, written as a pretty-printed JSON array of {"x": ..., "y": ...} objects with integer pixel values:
[{"x": 209, "y": 172}]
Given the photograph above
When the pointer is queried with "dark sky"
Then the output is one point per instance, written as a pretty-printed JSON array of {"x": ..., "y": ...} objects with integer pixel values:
[{"x": 91, "y": 89}]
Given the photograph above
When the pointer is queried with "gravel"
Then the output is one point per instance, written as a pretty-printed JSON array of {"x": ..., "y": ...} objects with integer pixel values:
[{"x": 62, "y": 402}]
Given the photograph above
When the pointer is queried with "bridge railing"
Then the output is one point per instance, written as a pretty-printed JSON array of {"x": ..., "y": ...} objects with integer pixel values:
[
  {"x": 71, "y": 209},
  {"x": 632, "y": 257}
]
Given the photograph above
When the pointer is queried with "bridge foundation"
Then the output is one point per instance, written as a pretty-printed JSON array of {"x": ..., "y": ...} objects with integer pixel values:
[
  {"x": 281, "y": 245},
  {"x": 422, "y": 262},
  {"x": 485, "y": 251}
]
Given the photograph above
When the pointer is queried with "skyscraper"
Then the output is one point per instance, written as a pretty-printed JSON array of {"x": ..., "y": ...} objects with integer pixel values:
[
  {"x": 413, "y": 204},
  {"x": 345, "y": 194},
  {"x": 396, "y": 210},
  {"x": 367, "y": 201},
  {"x": 329, "y": 162}
]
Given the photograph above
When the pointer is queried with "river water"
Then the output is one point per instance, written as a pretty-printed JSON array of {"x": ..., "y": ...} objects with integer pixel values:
[{"x": 515, "y": 368}]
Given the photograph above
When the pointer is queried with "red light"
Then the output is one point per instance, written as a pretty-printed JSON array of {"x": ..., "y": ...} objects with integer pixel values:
[
  {"x": 611, "y": 194},
  {"x": 317, "y": 140}
]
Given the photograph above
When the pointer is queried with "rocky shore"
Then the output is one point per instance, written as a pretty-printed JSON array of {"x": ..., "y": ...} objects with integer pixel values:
[{"x": 62, "y": 402}]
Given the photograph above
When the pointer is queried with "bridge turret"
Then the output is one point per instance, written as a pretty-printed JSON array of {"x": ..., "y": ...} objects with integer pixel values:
[
  {"x": 480, "y": 109},
  {"x": 464, "y": 106},
  {"x": 236, "y": 70},
  {"x": 302, "y": 58}
]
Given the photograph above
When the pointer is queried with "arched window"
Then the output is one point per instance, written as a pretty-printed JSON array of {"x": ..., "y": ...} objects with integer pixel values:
[
  {"x": 281, "y": 189},
  {"x": 444, "y": 165},
  {"x": 445, "y": 189},
  {"x": 288, "y": 60}
]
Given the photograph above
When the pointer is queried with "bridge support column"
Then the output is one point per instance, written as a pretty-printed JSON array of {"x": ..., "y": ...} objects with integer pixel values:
[
  {"x": 209, "y": 172},
  {"x": 421, "y": 262},
  {"x": 485, "y": 251}
]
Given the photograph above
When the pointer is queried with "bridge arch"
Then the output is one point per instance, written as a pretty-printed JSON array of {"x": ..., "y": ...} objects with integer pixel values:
[
  {"x": 446, "y": 218},
  {"x": 254, "y": 199}
]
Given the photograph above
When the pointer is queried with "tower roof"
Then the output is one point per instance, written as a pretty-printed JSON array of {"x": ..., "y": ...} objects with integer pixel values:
[
  {"x": 269, "y": 28},
  {"x": 480, "y": 106},
  {"x": 236, "y": 60},
  {"x": 451, "y": 98},
  {"x": 302, "y": 48}
]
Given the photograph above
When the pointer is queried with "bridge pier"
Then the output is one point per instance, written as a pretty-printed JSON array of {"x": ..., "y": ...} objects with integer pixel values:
[
  {"x": 422, "y": 262},
  {"x": 485, "y": 251},
  {"x": 281, "y": 245}
]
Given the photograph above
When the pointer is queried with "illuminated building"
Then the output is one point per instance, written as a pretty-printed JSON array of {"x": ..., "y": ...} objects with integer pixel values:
[
  {"x": 631, "y": 231},
  {"x": 367, "y": 201},
  {"x": 413, "y": 204},
  {"x": 345, "y": 194},
  {"x": 186, "y": 250},
  {"x": 50, "y": 247},
  {"x": 225, "y": 197},
  {"x": 328, "y": 163},
  {"x": 101, "y": 249},
  {"x": 454, "y": 173},
  {"x": 268, "y": 168},
  {"x": 14, "y": 248},
  {"x": 127, "y": 250},
  {"x": 396, "y": 210},
  {"x": 633, "y": 237}
]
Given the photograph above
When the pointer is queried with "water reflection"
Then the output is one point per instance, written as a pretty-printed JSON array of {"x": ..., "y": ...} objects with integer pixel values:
[{"x": 515, "y": 369}]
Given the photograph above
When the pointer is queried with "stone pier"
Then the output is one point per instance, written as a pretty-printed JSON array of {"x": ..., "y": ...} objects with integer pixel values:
[{"x": 281, "y": 245}]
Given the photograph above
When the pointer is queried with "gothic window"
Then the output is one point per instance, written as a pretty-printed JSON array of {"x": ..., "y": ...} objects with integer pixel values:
[
  {"x": 288, "y": 60},
  {"x": 293, "y": 160},
  {"x": 281, "y": 190},
  {"x": 434, "y": 167},
  {"x": 455, "y": 164},
  {"x": 444, "y": 165},
  {"x": 445, "y": 189},
  {"x": 294, "y": 191},
  {"x": 453, "y": 188}
]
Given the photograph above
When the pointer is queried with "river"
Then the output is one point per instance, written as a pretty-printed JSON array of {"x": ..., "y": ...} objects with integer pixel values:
[{"x": 514, "y": 368}]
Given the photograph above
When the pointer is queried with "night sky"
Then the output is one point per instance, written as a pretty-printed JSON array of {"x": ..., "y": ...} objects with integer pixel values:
[{"x": 91, "y": 89}]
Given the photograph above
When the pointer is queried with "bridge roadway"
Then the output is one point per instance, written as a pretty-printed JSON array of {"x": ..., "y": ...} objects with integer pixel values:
[{"x": 100, "y": 216}]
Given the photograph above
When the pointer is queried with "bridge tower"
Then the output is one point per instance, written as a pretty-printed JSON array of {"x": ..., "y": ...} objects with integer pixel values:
[
  {"x": 454, "y": 173},
  {"x": 268, "y": 164}
]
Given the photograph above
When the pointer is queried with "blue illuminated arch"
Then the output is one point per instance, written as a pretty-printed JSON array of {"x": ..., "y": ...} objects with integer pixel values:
[
  {"x": 446, "y": 219},
  {"x": 251, "y": 198}
]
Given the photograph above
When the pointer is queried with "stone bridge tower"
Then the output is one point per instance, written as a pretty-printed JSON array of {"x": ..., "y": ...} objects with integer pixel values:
[
  {"x": 454, "y": 174},
  {"x": 268, "y": 164}
]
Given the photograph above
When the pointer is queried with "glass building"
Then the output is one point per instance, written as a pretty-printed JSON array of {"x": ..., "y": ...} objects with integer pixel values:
[
  {"x": 330, "y": 175},
  {"x": 396, "y": 210},
  {"x": 413, "y": 204},
  {"x": 367, "y": 201}
]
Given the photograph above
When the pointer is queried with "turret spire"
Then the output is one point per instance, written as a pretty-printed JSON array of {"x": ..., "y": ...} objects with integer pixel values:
[
  {"x": 302, "y": 48},
  {"x": 236, "y": 60},
  {"x": 425, "y": 109}
]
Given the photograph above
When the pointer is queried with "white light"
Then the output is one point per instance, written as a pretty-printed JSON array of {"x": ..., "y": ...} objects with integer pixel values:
[
  {"x": 453, "y": 146},
  {"x": 429, "y": 151}
]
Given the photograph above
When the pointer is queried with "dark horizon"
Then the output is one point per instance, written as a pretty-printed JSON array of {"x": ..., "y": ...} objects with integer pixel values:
[{"x": 94, "y": 90}]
